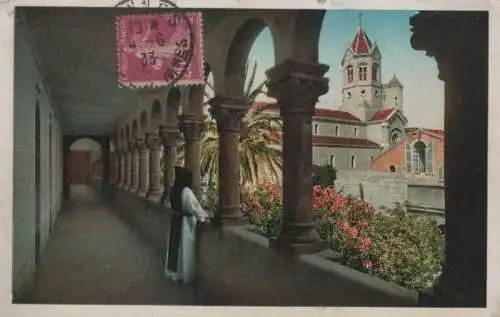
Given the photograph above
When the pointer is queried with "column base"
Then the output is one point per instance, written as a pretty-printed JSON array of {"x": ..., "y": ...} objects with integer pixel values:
[
  {"x": 231, "y": 216},
  {"x": 286, "y": 248},
  {"x": 155, "y": 196},
  {"x": 142, "y": 193},
  {"x": 443, "y": 295}
]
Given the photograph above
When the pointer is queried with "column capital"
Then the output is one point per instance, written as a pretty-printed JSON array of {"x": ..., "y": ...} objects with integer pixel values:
[
  {"x": 229, "y": 112},
  {"x": 191, "y": 125},
  {"x": 298, "y": 84},
  {"x": 132, "y": 145},
  {"x": 141, "y": 143},
  {"x": 153, "y": 141},
  {"x": 459, "y": 40},
  {"x": 169, "y": 135}
]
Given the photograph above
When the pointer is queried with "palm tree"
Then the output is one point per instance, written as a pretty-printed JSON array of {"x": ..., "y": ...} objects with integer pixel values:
[{"x": 260, "y": 144}]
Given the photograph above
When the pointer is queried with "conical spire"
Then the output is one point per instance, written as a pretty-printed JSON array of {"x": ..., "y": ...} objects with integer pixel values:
[
  {"x": 361, "y": 43},
  {"x": 394, "y": 82}
]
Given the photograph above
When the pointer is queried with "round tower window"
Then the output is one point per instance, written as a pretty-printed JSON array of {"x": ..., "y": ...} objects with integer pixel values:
[{"x": 363, "y": 92}]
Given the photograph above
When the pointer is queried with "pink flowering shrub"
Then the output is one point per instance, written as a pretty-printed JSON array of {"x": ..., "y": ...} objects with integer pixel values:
[{"x": 398, "y": 247}]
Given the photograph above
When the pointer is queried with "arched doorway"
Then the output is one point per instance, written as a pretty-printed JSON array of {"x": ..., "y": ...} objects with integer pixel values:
[{"x": 85, "y": 157}]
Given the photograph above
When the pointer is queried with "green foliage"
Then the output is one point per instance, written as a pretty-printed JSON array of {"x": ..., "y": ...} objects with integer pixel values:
[
  {"x": 259, "y": 145},
  {"x": 394, "y": 245},
  {"x": 324, "y": 175}
]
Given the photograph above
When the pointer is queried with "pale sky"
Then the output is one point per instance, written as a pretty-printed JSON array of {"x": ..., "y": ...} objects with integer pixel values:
[{"x": 423, "y": 91}]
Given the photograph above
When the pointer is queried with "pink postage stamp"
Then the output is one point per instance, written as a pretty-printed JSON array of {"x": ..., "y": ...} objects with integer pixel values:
[{"x": 160, "y": 50}]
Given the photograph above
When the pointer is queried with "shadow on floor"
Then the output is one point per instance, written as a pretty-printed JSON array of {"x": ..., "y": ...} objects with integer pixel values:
[{"x": 93, "y": 257}]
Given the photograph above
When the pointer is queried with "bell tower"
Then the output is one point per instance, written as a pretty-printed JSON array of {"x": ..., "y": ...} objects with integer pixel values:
[{"x": 361, "y": 68}]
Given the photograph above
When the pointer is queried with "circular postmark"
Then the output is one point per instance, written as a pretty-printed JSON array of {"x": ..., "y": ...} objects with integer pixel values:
[{"x": 174, "y": 54}]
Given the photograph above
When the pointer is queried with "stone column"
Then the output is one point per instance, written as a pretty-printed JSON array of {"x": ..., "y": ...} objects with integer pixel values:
[
  {"x": 191, "y": 126},
  {"x": 130, "y": 165},
  {"x": 154, "y": 144},
  {"x": 126, "y": 155},
  {"x": 297, "y": 86},
  {"x": 229, "y": 113},
  {"x": 123, "y": 167},
  {"x": 116, "y": 167},
  {"x": 135, "y": 166},
  {"x": 461, "y": 51},
  {"x": 143, "y": 167},
  {"x": 169, "y": 136}
]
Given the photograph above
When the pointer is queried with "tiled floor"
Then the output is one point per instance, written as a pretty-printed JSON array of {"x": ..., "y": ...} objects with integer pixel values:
[{"x": 95, "y": 258}]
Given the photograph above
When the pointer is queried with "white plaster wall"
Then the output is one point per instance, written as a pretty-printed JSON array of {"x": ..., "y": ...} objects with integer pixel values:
[
  {"x": 390, "y": 93},
  {"x": 327, "y": 128},
  {"x": 25, "y": 98},
  {"x": 321, "y": 156},
  {"x": 376, "y": 132}
]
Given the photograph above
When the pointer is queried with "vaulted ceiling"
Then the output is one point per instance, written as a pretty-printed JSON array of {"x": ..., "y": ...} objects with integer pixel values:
[{"x": 77, "y": 54}]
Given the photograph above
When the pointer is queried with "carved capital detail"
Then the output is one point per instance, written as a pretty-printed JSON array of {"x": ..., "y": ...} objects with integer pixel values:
[
  {"x": 141, "y": 144},
  {"x": 462, "y": 38},
  {"x": 229, "y": 112},
  {"x": 191, "y": 126},
  {"x": 297, "y": 85},
  {"x": 169, "y": 135},
  {"x": 153, "y": 141}
]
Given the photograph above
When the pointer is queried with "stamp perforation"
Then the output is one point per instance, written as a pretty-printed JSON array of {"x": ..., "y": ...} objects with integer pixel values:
[{"x": 199, "y": 44}]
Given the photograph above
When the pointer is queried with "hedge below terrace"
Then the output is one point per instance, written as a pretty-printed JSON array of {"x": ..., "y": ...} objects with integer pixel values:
[{"x": 394, "y": 245}]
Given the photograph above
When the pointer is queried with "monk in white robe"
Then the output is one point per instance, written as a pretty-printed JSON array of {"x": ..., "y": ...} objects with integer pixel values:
[{"x": 180, "y": 263}]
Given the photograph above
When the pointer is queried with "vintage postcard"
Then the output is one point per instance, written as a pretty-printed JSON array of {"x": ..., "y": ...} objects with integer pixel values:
[{"x": 188, "y": 156}]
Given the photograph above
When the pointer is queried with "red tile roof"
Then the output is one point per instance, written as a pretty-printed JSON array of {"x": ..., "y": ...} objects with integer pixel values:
[
  {"x": 318, "y": 112},
  {"x": 335, "y": 141},
  {"x": 361, "y": 43},
  {"x": 382, "y": 115},
  {"x": 334, "y": 114}
]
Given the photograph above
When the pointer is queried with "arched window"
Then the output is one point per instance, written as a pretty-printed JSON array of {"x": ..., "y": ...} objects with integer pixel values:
[
  {"x": 332, "y": 160},
  {"x": 353, "y": 161},
  {"x": 395, "y": 136},
  {"x": 337, "y": 131},
  {"x": 375, "y": 72},
  {"x": 392, "y": 168},
  {"x": 409, "y": 163},
  {"x": 419, "y": 157},
  {"x": 356, "y": 132},
  {"x": 350, "y": 74},
  {"x": 429, "y": 158},
  {"x": 363, "y": 70},
  {"x": 316, "y": 126}
]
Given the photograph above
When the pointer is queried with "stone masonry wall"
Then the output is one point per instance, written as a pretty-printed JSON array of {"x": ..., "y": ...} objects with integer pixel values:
[
  {"x": 28, "y": 92},
  {"x": 380, "y": 188},
  {"x": 384, "y": 189}
]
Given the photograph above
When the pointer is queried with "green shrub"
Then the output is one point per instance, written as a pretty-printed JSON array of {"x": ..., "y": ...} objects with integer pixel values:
[
  {"x": 396, "y": 246},
  {"x": 324, "y": 175}
]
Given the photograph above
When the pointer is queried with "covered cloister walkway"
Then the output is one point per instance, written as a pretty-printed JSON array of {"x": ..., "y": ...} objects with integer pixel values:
[
  {"x": 94, "y": 257},
  {"x": 65, "y": 89}
]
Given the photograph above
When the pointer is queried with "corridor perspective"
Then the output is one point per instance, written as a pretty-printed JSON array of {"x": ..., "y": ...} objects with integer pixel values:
[
  {"x": 94, "y": 162},
  {"x": 94, "y": 257}
]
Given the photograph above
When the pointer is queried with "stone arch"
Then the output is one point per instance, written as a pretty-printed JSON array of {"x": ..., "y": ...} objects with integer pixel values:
[
  {"x": 155, "y": 117},
  {"x": 127, "y": 134},
  {"x": 122, "y": 136},
  {"x": 135, "y": 129},
  {"x": 239, "y": 49},
  {"x": 173, "y": 103},
  {"x": 143, "y": 122},
  {"x": 307, "y": 29}
]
